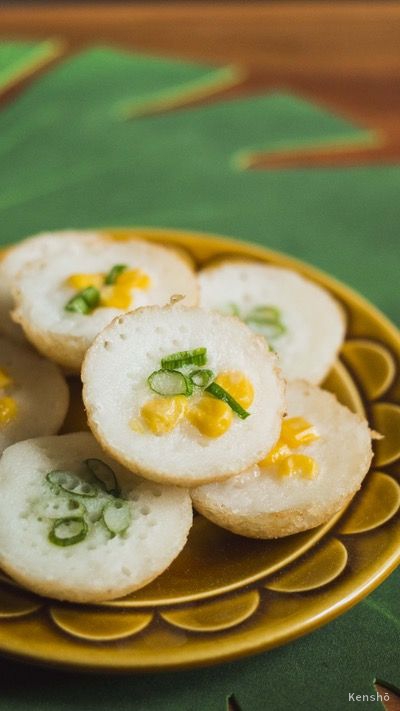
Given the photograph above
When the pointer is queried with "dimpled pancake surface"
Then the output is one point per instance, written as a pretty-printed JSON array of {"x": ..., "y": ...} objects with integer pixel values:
[
  {"x": 19, "y": 256},
  {"x": 314, "y": 323},
  {"x": 99, "y": 567},
  {"x": 41, "y": 292},
  {"x": 115, "y": 375},
  {"x": 263, "y": 504},
  {"x": 39, "y": 390}
]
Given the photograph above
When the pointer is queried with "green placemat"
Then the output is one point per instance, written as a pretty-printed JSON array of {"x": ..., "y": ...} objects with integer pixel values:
[{"x": 70, "y": 158}]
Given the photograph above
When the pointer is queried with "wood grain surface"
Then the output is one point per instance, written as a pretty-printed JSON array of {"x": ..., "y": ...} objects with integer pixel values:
[{"x": 346, "y": 56}]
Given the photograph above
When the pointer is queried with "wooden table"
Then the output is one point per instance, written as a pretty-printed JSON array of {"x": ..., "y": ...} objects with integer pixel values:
[{"x": 343, "y": 55}]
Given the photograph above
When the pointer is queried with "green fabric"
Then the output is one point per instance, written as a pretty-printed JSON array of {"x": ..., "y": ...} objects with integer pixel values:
[{"x": 68, "y": 158}]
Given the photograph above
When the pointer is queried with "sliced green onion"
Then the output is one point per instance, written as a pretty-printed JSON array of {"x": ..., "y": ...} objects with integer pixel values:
[
  {"x": 198, "y": 356},
  {"x": 170, "y": 382},
  {"x": 216, "y": 391},
  {"x": 264, "y": 314},
  {"x": 266, "y": 320},
  {"x": 268, "y": 330},
  {"x": 117, "y": 516},
  {"x": 68, "y": 481},
  {"x": 68, "y": 531},
  {"x": 85, "y": 301},
  {"x": 202, "y": 378},
  {"x": 114, "y": 273},
  {"x": 104, "y": 475},
  {"x": 94, "y": 507}
]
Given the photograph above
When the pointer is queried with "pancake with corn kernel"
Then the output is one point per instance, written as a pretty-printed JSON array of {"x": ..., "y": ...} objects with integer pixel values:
[
  {"x": 33, "y": 395},
  {"x": 321, "y": 457},
  {"x": 299, "y": 319},
  {"x": 76, "y": 526},
  {"x": 182, "y": 395},
  {"x": 65, "y": 299},
  {"x": 19, "y": 256}
]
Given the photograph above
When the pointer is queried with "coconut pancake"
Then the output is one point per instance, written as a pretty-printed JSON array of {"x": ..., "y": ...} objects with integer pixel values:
[
  {"x": 19, "y": 256},
  {"x": 66, "y": 298},
  {"x": 64, "y": 535},
  {"x": 299, "y": 319},
  {"x": 165, "y": 427},
  {"x": 321, "y": 458},
  {"x": 33, "y": 394}
]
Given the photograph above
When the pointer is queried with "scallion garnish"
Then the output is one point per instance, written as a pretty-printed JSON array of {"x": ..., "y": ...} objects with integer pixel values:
[
  {"x": 74, "y": 515},
  {"x": 117, "y": 516},
  {"x": 170, "y": 382},
  {"x": 202, "y": 378},
  {"x": 266, "y": 320},
  {"x": 68, "y": 481},
  {"x": 198, "y": 356},
  {"x": 114, "y": 273},
  {"x": 216, "y": 391},
  {"x": 104, "y": 475},
  {"x": 67, "y": 531},
  {"x": 85, "y": 301},
  {"x": 264, "y": 314}
]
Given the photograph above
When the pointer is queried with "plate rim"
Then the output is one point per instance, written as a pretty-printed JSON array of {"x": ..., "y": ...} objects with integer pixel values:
[{"x": 302, "y": 627}]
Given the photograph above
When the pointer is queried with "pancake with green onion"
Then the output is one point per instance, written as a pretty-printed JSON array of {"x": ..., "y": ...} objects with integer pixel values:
[
  {"x": 182, "y": 395},
  {"x": 66, "y": 298},
  {"x": 74, "y": 525},
  {"x": 19, "y": 256},
  {"x": 33, "y": 394},
  {"x": 323, "y": 454},
  {"x": 300, "y": 320}
]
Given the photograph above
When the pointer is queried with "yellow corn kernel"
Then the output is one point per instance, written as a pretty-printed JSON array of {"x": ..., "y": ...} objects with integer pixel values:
[
  {"x": 298, "y": 465},
  {"x": 237, "y": 385},
  {"x": 116, "y": 297},
  {"x": 162, "y": 414},
  {"x": 82, "y": 281},
  {"x": 5, "y": 379},
  {"x": 210, "y": 416},
  {"x": 276, "y": 454},
  {"x": 137, "y": 425},
  {"x": 8, "y": 410},
  {"x": 133, "y": 279},
  {"x": 296, "y": 431}
]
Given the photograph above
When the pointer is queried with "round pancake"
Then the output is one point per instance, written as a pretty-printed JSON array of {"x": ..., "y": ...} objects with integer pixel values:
[
  {"x": 19, "y": 256},
  {"x": 38, "y": 389},
  {"x": 310, "y": 327},
  {"x": 115, "y": 373},
  {"x": 41, "y": 292},
  {"x": 261, "y": 503},
  {"x": 102, "y": 566}
]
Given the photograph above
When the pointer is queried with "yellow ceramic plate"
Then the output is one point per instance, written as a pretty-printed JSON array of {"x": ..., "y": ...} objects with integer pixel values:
[{"x": 227, "y": 596}]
